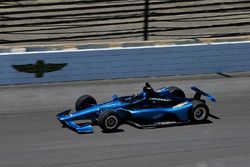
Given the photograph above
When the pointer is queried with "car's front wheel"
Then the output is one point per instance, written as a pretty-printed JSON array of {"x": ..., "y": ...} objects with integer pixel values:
[
  {"x": 109, "y": 121},
  {"x": 84, "y": 101}
]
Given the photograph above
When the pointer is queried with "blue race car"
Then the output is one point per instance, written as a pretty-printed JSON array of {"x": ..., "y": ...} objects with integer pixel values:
[{"x": 149, "y": 108}]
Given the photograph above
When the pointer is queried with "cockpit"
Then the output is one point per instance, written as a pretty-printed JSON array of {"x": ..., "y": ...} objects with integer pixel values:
[{"x": 131, "y": 99}]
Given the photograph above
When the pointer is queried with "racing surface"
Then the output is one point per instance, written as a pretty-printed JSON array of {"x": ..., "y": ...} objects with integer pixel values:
[{"x": 31, "y": 135}]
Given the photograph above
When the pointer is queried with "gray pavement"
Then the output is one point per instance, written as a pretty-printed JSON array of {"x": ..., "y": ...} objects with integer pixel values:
[{"x": 31, "y": 135}]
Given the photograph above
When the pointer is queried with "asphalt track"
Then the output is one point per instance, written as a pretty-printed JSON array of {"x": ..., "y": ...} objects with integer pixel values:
[{"x": 31, "y": 136}]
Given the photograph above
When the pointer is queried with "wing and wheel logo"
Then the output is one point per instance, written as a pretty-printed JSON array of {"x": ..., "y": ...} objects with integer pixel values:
[{"x": 39, "y": 68}]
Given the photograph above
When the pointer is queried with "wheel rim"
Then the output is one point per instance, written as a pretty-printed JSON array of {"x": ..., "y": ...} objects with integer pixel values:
[
  {"x": 111, "y": 122},
  {"x": 200, "y": 114}
]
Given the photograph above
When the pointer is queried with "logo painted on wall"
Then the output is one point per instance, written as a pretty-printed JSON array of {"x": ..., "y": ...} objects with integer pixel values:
[{"x": 39, "y": 68}]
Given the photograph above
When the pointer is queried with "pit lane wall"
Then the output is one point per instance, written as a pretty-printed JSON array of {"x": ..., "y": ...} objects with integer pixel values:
[{"x": 126, "y": 62}]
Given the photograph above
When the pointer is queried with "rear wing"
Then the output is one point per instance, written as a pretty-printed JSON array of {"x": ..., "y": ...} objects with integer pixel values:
[{"x": 199, "y": 93}]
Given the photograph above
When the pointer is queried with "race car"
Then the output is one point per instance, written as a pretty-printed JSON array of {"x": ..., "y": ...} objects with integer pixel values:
[{"x": 167, "y": 106}]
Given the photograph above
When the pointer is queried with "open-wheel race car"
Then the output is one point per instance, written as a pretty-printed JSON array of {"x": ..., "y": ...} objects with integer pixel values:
[{"x": 150, "y": 108}]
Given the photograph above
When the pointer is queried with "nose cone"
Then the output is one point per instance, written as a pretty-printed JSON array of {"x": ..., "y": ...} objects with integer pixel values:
[
  {"x": 64, "y": 118},
  {"x": 62, "y": 115}
]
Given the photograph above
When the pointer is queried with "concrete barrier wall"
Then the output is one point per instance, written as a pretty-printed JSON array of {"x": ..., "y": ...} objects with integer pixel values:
[{"x": 40, "y": 67}]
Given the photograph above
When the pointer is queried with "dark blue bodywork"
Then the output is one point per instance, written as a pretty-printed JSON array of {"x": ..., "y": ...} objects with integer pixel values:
[{"x": 137, "y": 108}]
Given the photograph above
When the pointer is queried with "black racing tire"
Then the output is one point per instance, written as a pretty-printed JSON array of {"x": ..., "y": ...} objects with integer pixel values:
[
  {"x": 109, "y": 121},
  {"x": 173, "y": 90},
  {"x": 84, "y": 101},
  {"x": 199, "y": 112}
]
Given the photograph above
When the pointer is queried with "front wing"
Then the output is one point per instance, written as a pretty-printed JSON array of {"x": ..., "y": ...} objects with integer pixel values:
[{"x": 83, "y": 128}]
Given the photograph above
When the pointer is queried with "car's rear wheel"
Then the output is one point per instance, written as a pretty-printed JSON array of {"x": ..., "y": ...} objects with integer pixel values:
[
  {"x": 109, "y": 121},
  {"x": 84, "y": 101},
  {"x": 173, "y": 90},
  {"x": 199, "y": 112}
]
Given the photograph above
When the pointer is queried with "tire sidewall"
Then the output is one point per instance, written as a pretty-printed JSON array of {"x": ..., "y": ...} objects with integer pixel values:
[
  {"x": 84, "y": 102},
  {"x": 199, "y": 112},
  {"x": 173, "y": 90}
]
